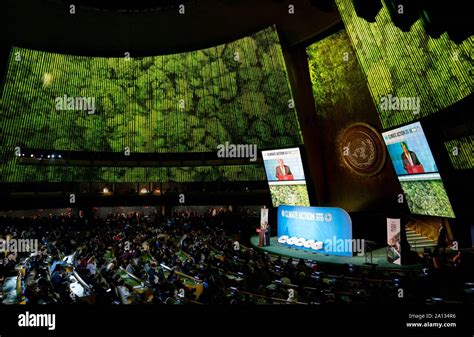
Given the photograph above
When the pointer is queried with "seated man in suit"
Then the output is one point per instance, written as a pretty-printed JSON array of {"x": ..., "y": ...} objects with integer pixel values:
[
  {"x": 411, "y": 164},
  {"x": 283, "y": 171}
]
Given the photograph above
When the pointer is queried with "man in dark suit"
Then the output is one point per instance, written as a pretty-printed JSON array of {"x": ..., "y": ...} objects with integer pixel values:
[
  {"x": 283, "y": 171},
  {"x": 268, "y": 233},
  {"x": 442, "y": 238},
  {"x": 410, "y": 160}
]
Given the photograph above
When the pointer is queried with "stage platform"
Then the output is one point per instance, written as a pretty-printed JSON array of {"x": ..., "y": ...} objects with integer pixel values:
[{"x": 379, "y": 256}]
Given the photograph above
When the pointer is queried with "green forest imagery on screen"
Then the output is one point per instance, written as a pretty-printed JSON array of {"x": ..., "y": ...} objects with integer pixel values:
[{"x": 189, "y": 102}]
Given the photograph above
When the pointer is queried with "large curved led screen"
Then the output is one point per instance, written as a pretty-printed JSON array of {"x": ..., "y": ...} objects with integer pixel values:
[
  {"x": 237, "y": 92},
  {"x": 409, "y": 74}
]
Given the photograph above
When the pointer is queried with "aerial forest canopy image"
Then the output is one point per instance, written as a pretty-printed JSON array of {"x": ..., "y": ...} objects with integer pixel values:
[
  {"x": 189, "y": 102},
  {"x": 411, "y": 64}
]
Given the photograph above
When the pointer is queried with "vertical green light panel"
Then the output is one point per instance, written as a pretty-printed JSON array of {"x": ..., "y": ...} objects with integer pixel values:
[
  {"x": 237, "y": 92},
  {"x": 461, "y": 152},
  {"x": 408, "y": 65},
  {"x": 335, "y": 76}
]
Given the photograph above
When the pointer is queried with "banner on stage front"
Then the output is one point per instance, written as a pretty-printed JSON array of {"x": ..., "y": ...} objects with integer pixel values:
[
  {"x": 326, "y": 230},
  {"x": 394, "y": 254},
  {"x": 263, "y": 217}
]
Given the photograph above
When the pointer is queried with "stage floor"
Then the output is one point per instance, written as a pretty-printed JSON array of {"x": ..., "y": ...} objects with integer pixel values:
[{"x": 379, "y": 256}]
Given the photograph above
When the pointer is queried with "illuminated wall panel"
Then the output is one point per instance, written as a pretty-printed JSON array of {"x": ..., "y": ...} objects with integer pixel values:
[
  {"x": 461, "y": 152},
  {"x": 339, "y": 85},
  {"x": 237, "y": 92},
  {"x": 411, "y": 64},
  {"x": 54, "y": 174}
]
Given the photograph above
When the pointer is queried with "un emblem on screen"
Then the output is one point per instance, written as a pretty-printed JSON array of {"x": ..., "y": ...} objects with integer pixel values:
[{"x": 362, "y": 149}]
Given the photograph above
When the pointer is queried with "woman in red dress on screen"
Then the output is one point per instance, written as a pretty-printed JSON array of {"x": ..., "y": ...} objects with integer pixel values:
[
  {"x": 283, "y": 171},
  {"x": 411, "y": 164}
]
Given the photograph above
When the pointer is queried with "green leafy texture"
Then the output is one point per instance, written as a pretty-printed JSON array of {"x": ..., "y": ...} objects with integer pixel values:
[
  {"x": 289, "y": 195},
  {"x": 137, "y": 174},
  {"x": 335, "y": 76},
  {"x": 427, "y": 197},
  {"x": 461, "y": 152},
  {"x": 189, "y": 102},
  {"x": 409, "y": 64}
]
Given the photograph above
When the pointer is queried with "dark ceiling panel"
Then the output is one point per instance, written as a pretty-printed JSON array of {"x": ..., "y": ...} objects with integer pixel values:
[{"x": 48, "y": 25}]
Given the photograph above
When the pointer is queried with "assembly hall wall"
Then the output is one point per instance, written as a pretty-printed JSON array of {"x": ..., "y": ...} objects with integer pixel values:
[{"x": 329, "y": 71}]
